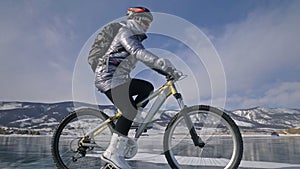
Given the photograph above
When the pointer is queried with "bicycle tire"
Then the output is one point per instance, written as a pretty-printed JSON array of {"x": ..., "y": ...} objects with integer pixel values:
[
  {"x": 180, "y": 150},
  {"x": 64, "y": 134}
]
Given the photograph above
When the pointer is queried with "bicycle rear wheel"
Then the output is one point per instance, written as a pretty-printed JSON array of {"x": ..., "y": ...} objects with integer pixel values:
[
  {"x": 65, "y": 141},
  {"x": 223, "y": 145}
]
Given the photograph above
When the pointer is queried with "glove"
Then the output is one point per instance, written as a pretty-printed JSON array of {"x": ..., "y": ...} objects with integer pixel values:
[{"x": 173, "y": 74}]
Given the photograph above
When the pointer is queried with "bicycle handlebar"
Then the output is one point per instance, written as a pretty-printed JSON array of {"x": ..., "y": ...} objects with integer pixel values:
[{"x": 175, "y": 75}]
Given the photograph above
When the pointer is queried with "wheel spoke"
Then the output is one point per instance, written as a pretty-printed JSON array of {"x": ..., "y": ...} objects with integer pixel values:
[
  {"x": 219, "y": 133},
  {"x": 66, "y": 139}
]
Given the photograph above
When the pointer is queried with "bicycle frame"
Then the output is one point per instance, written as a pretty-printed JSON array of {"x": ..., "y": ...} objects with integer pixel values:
[{"x": 162, "y": 94}]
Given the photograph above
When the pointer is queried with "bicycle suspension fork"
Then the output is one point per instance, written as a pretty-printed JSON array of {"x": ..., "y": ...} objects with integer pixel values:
[{"x": 196, "y": 139}]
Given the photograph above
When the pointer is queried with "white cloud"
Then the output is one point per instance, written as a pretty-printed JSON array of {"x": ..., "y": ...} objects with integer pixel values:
[
  {"x": 35, "y": 58},
  {"x": 286, "y": 94},
  {"x": 261, "y": 46},
  {"x": 39, "y": 44},
  {"x": 261, "y": 50}
]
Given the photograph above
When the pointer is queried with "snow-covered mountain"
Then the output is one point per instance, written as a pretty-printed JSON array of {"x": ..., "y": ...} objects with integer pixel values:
[
  {"x": 43, "y": 116},
  {"x": 26, "y": 115},
  {"x": 267, "y": 118}
]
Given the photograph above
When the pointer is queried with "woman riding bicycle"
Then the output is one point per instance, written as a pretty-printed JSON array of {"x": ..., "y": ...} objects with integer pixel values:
[{"x": 113, "y": 78}]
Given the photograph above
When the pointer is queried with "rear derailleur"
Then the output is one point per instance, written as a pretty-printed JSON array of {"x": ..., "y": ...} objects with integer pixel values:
[{"x": 82, "y": 149}]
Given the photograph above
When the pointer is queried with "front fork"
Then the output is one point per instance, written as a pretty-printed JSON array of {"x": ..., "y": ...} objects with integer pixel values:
[{"x": 196, "y": 139}]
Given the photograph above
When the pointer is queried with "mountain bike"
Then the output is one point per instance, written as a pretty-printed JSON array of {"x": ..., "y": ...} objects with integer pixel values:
[{"x": 197, "y": 136}]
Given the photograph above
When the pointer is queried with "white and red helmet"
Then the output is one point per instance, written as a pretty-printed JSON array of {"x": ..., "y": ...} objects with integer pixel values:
[{"x": 140, "y": 13}]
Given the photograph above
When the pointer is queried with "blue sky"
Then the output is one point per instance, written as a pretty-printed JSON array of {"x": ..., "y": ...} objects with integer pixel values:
[{"x": 257, "y": 42}]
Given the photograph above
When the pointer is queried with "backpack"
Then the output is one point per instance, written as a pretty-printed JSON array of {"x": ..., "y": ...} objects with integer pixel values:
[{"x": 102, "y": 43}]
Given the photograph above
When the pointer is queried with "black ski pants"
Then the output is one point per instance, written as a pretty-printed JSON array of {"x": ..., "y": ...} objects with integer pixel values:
[{"x": 125, "y": 97}]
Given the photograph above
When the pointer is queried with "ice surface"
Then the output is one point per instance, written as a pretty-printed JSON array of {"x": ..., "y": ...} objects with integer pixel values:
[{"x": 160, "y": 159}]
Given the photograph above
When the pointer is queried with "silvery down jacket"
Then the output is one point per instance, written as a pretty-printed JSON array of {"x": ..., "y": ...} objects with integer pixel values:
[{"x": 124, "y": 52}]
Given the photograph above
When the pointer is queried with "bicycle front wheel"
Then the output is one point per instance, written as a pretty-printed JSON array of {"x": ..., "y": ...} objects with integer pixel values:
[
  {"x": 221, "y": 142},
  {"x": 67, "y": 151}
]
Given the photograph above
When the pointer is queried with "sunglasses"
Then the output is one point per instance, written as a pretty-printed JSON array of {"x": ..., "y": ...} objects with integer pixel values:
[{"x": 146, "y": 21}]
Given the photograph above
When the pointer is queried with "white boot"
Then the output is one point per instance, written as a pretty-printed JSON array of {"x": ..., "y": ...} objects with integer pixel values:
[{"x": 114, "y": 154}]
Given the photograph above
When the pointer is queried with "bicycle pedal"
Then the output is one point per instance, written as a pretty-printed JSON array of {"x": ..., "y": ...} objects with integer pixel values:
[{"x": 108, "y": 166}]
